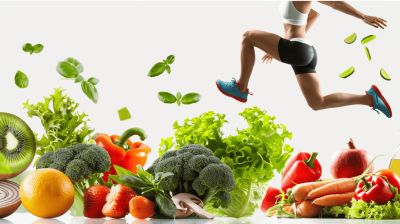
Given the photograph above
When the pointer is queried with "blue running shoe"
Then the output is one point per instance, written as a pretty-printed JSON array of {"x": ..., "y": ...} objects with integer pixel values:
[
  {"x": 379, "y": 102},
  {"x": 231, "y": 89}
]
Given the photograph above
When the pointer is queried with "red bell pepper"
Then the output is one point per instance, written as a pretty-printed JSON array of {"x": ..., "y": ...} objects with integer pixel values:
[
  {"x": 270, "y": 198},
  {"x": 391, "y": 177},
  {"x": 122, "y": 151},
  {"x": 300, "y": 168},
  {"x": 373, "y": 188}
]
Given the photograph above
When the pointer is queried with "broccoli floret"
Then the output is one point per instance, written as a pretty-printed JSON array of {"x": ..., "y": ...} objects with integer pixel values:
[
  {"x": 97, "y": 158},
  {"x": 78, "y": 148},
  {"x": 77, "y": 169},
  {"x": 58, "y": 167},
  {"x": 62, "y": 157},
  {"x": 45, "y": 161},
  {"x": 195, "y": 168}
]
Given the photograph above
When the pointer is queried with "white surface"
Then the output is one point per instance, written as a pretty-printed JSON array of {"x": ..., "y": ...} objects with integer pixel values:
[{"x": 118, "y": 42}]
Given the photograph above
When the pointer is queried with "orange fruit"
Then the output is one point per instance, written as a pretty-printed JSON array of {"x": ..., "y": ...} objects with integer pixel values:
[
  {"x": 47, "y": 193},
  {"x": 141, "y": 207}
]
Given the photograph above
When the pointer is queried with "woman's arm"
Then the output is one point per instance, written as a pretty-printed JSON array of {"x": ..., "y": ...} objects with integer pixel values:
[
  {"x": 350, "y": 10},
  {"x": 312, "y": 17}
]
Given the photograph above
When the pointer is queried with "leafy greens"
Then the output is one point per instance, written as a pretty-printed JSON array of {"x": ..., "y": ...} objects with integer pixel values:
[{"x": 253, "y": 154}]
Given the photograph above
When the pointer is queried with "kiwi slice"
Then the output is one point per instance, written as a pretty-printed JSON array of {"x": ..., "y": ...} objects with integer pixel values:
[
  {"x": 368, "y": 39},
  {"x": 347, "y": 73},
  {"x": 17, "y": 146},
  {"x": 368, "y": 54},
  {"x": 350, "y": 39}
]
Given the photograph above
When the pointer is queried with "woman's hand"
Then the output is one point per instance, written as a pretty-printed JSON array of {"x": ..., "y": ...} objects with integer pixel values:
[
  {"x": 267, "y": 58},
  {"x": 374, "y": 21}
]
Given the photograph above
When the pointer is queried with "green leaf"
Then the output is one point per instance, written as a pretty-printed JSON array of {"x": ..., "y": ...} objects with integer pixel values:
[
  {"x": 147, "y": 177},
  {"x": 94, "y": 81},
  {"x": 164, "y": 61},
  {"x": 37, "y": 48},
  {"x": 123, "y": 171},
  {"x": 166, "y": 205},
  {"x": 191, "y": 98},
  {"x": 165, "y": 145},
  {"x": 157, "y": 70},
  {"x": 67, "y": 69},
  {"x": 90, "y": 90},
  {"x": 166, "y": 97},
  {"x": 76, "y": 63},
  {"x": 170, "y": 59},
  {"x": 178, "y": 98},
  {"x": 21, "y": 80},
  {"x": 124, "y": 114},
  {"x": 27, "y": 48},
  {"x": 130, "y": 181},
  {"x": 79, "y": 79},
  {"x": 168, "y": 69}
]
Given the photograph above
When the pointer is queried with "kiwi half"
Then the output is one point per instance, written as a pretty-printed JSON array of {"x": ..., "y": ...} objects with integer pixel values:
[{"x": 17, "y": 146}]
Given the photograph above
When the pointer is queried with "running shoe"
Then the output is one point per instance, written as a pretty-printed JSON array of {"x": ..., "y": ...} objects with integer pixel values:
[
  {"x": 231, "y": 89},
  {"x": 379, "y": 102}
]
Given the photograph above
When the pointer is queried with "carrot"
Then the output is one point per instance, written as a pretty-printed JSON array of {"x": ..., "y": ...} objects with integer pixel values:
[
  {"x": 306, "y": 209},
  {"x": 339, "y": 187},
  {"x": 300, "y": 191},
  {"x": 334, "y": 199}
]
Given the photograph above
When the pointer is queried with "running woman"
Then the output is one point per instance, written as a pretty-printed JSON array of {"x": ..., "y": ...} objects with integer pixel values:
[{"x": 295, "y": 49}]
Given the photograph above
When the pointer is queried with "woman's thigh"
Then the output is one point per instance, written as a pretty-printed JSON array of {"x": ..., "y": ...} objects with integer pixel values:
[
  {"x": 267, "y": 42},
  {"x": 310, "y": 86}
]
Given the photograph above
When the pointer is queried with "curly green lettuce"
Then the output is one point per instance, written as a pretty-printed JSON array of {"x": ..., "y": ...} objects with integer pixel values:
[
  {"x": 253, "y": 154},
  {"x": 63, "y": 126},
  {"x": 363, "y": 210}
]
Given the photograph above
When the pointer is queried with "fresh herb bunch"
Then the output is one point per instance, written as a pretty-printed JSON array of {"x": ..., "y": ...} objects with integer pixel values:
[
  {"x": 253, "y": 154},
  {"x": 160, "y": 67},
  {"x": 32, "y": 49},
  {"x": 148, "y": 186},
  {"x": 63, "y": 125},
  {"x": 71, "y": 68},
  {"x": 21, "y": 80},
  {"x": 189, "y": 98}
]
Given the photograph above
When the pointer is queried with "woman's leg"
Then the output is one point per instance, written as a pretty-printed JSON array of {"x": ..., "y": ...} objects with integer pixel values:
[
  {"x": 310, "y": 86},
  {"x": 268, "y": 42}
]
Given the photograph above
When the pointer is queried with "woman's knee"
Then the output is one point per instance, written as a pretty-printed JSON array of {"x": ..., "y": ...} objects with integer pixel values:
[{"x": 248, "y": 36}]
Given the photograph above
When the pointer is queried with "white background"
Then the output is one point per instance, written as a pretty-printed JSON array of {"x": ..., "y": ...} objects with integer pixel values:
[{"x": 118, "y": 42}]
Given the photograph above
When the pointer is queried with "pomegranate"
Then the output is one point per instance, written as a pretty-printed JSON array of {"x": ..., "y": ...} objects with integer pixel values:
[{"x": 350, "y": 162}]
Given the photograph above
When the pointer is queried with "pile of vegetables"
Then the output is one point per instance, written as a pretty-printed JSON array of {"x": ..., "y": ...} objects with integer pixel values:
[{"x": 253, "y": 154}]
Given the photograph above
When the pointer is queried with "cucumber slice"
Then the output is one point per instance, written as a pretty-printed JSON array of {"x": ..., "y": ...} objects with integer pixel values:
[
  {"x": 350, "y": 39},
  {"x": 347, "y": 73},
  {"x": 384, "y": 75},
  {"x": 368, "y": 54},
  {"x": 368, "y": 39}
]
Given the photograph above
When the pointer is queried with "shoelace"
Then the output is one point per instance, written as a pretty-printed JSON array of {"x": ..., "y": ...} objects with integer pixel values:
[{"x": 230, "y": 84}]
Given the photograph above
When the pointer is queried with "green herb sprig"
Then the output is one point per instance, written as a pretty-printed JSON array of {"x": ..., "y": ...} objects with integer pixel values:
[
  {"x": 147, "y": 186},
  {"x": 71, "y": 68},
  {"x": 160, "y": 67},
  {"x": 32, "y": 49},
  {"x": 189, "y": 98}
]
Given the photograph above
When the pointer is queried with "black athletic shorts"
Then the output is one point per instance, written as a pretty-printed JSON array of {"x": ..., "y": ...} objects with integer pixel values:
[{"x": 302, "y": 57}]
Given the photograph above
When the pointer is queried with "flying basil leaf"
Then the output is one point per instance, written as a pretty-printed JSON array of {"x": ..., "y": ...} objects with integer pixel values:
[
  {"x": 94, "y": 80},
  {"x": 191, "y": 98},
  {"x": 170, "y": 59},
  {"x": 168, "y": 69},
  {"x": 164, "y": 61},
  {"x": 21, "y": 80},
  {"x": 124, "y": 114},
  {"x": 166, "y": 205},
  {"x": 178, "y": 98},
  {"x": 37, "y": 48},
  {"x": 79, "y": 79},
  {"x": 157, "y": 69},
  {"x": 166, "y": 97},
  {"x": 76, "y": 63},
  {"x": 27, "y": 48},
  {"x": 90, "y": 90},
  {"x": 67, "y": 69}
]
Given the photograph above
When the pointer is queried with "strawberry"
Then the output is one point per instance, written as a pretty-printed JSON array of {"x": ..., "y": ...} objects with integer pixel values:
[
  {"x": 93, "y": 201},
  {"x": 117, "y": 205}
]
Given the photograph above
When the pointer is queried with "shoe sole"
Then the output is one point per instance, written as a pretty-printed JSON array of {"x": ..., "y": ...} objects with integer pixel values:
[
  {"x": 229, "y": 95},
  {"x": 383, "y": 98}
]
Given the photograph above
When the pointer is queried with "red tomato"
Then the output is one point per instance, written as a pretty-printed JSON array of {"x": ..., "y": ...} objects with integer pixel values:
[
  {"x": 270, "y": 198},
  {"x": 391, "y": 176}
]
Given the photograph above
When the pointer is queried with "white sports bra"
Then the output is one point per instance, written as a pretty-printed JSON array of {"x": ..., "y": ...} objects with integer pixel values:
[{"x": 291, "y": 15}]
